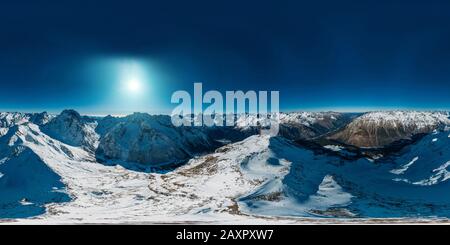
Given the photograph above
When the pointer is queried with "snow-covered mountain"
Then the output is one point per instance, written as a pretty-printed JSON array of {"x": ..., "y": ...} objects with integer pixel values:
[
  {"x": 378, "y": 129},
  {"x": 206, "y": 188},
  {"x": 152, "y": 140},
  {"x": 10, "y": 119},
  {"x": 73, "y": 129},
  {"x": 308, "y": 125},
  {"x": 26, "y": 182},
  {"x": 55, "y": 173},
  {"x": 298, "y": 125}
]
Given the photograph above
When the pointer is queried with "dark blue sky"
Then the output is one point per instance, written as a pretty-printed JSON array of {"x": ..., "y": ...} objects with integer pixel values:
[{"x": 326, "y": 55}]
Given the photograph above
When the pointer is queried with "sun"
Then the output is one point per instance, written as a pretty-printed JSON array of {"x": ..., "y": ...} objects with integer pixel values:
[
  {"x": 134, "y": 86},
  {"x": 133, "y": 78}
]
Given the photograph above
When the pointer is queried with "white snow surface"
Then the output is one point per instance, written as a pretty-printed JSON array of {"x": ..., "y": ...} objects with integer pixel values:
[
  {"x": 334, "y": 147},
  {"x": 204, "y": 190}
]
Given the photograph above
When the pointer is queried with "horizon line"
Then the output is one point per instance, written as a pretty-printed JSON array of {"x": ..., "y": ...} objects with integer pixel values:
[{"x": 124, "y": 114}]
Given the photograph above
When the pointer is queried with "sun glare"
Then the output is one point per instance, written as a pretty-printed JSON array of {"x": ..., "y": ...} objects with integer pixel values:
[
  {"x": 134, "y": 78},
  {"x": 134, "y": 86}
]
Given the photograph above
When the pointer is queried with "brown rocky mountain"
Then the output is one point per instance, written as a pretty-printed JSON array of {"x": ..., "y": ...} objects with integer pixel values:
[{"x": 378, "y": 129}]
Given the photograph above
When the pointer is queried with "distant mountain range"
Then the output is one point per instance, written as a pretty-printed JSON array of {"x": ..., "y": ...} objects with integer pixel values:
[
  {"x": 71, "y": 168},
  {"x": 378, "y": 129}
]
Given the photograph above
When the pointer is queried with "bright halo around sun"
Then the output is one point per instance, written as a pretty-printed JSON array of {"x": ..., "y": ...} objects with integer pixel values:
[{"x": 134, "y": 79}]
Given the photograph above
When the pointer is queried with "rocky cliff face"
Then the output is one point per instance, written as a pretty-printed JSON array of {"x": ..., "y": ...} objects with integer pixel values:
[{"x": 378, "y": 129}]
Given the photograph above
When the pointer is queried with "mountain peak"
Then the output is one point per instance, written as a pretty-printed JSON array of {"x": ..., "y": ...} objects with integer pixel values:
[
  {"x": 70, "y": 113},
  {"x": 381, "y": 128},
  {"x": 70, "y": 128}
]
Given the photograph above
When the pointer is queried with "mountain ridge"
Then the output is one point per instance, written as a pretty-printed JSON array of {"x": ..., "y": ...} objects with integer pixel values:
[
  {"x": 255, "y": 175},
  {"x": 378, "y": 129}
]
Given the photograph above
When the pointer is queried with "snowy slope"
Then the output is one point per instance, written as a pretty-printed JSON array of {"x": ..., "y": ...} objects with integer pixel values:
[
  {"x": 413, "y": 183},
  {"x": 213, "y": 182},
  {"x": 426, "y": 162},
  {"x": 26, "y": 182},
  {"x": 204, "y": 189}
]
